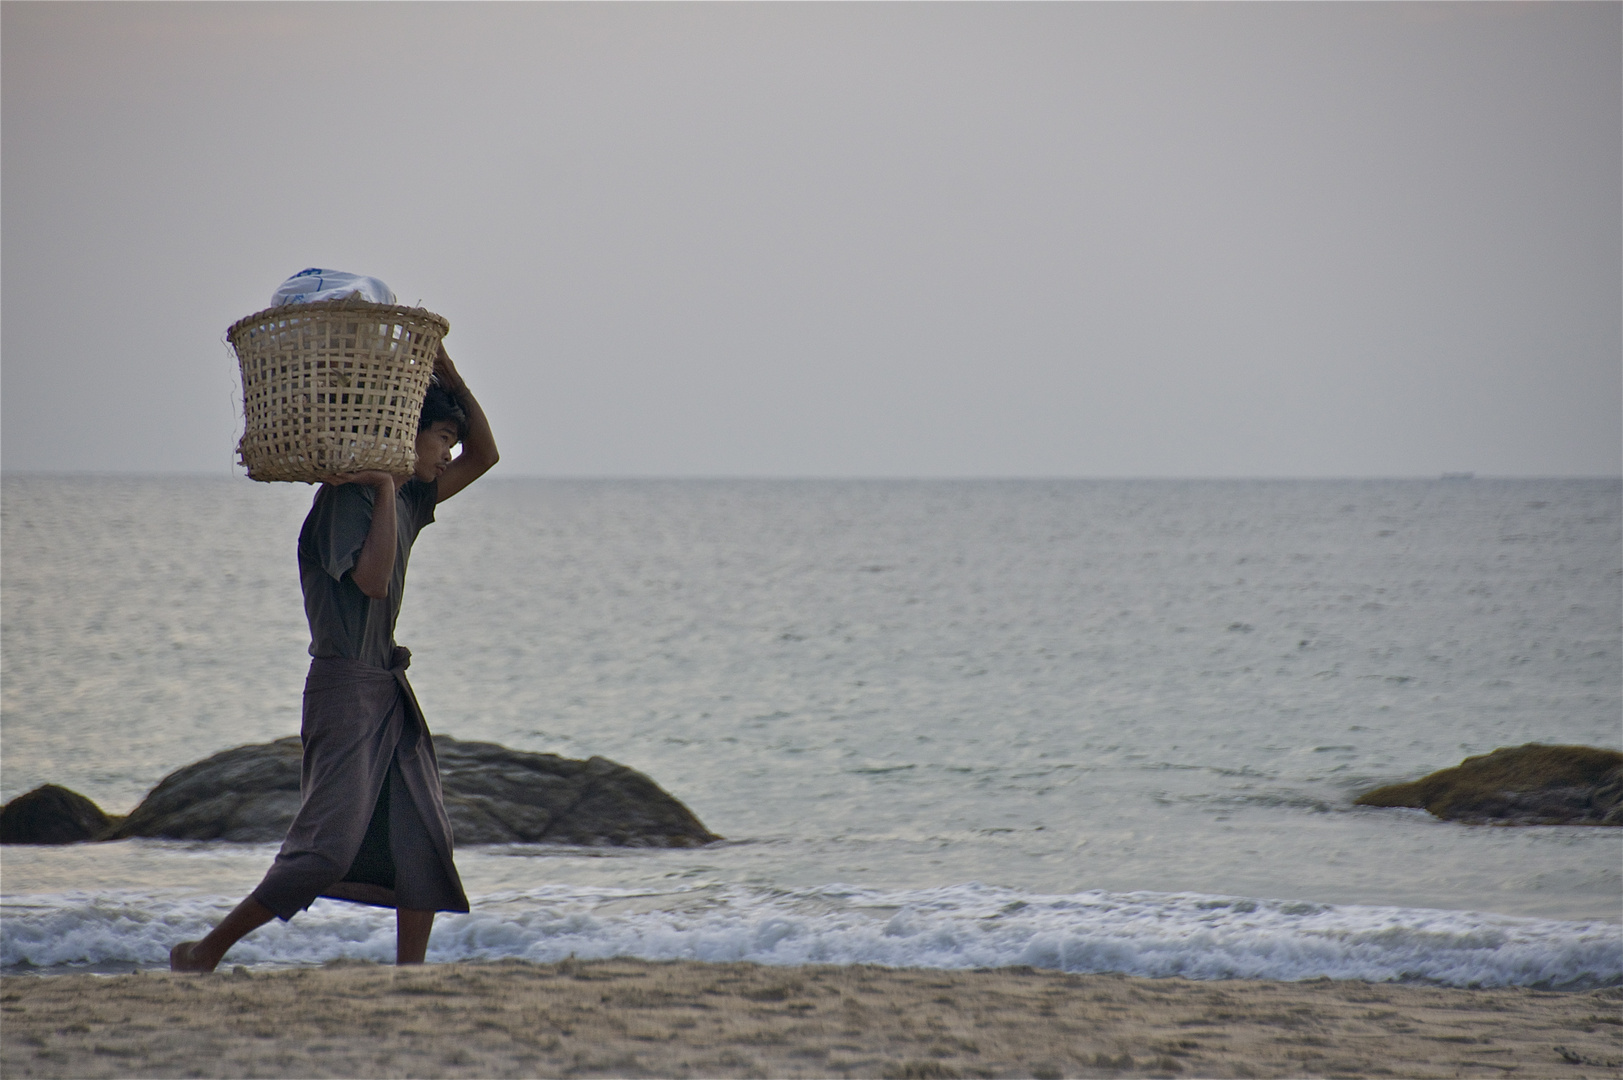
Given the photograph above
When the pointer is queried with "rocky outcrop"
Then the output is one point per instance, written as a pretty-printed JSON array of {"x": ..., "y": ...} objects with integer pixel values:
[
  {"x": 51, "y": 815},
  {"x": 493, "y": 795},
  {"x": 1519, "y": 785},
  {"x": 246, "y": 794}
]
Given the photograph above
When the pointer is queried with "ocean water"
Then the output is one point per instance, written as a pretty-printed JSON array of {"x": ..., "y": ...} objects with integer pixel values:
[{"x": 1112, "y": 725}]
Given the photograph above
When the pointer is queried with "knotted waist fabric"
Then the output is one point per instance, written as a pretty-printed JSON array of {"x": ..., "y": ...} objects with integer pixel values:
[{"x": 371, "y": 825}]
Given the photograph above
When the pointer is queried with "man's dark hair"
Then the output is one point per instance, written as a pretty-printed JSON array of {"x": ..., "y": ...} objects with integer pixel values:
[{"x": 439, "y": 405}]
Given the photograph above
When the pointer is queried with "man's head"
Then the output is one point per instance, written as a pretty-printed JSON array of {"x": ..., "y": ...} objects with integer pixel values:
[{"x": 441, "y": 426}]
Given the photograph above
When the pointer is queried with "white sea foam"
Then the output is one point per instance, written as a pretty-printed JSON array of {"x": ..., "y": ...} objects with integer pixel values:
[{"x": 962, "y": 926}]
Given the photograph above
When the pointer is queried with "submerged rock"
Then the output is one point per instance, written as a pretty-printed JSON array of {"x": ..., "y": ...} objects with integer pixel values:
[
  {"x": 1533, "y": 784},
  {"x": 493, "y": 795},
  {"x": 51, "y": 815}
]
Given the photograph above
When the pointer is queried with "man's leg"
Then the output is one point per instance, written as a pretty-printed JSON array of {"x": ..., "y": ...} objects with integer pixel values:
[
  {"x": 421, "y": 885},
  {"x": 411, "y": 929},
  {"x": 205, "y": 955}
]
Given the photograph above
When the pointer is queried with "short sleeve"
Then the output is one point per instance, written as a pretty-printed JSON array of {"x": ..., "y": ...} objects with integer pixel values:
[
  {"x": 421, "y": 499},
  {"x": 336, "y": 528}
]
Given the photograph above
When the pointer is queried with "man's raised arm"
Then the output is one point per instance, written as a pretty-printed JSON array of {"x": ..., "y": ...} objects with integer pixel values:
[{"x": 479, "y": 448}]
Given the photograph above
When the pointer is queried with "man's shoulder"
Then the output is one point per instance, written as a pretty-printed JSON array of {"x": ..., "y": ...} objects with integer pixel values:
[
  {"x": 337, "y": 496},
  {"x": 421, "y": 496},
  {"x": 415, "y": 488},
  {"x": 334, "y": 505}
]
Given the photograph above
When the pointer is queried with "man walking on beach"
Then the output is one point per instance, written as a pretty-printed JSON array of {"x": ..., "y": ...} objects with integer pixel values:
[{"x": 371, "y": 826}]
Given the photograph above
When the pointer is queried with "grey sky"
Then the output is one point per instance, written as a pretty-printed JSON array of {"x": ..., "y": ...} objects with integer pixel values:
[{"x": 841, "y": 240}]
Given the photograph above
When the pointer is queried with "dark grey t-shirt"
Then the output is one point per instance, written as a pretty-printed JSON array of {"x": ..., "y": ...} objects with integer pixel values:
[{"x": 344, "y": 621}]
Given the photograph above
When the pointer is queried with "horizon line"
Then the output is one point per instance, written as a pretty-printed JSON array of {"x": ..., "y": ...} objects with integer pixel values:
[{"x": 1451, "y": 476}]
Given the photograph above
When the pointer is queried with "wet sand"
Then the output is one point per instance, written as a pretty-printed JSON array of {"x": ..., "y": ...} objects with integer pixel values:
[{"x": 631, "y": 1018}]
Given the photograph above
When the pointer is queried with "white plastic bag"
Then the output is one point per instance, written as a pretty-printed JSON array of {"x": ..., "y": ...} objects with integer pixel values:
[{"x": 308, "y": 286}]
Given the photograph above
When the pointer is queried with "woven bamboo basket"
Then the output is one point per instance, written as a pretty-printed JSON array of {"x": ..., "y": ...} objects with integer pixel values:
[{"x": 333, "y": 387}]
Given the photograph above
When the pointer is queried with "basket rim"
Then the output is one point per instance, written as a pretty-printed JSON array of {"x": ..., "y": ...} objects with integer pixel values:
[{"x": 346, "y": 306}]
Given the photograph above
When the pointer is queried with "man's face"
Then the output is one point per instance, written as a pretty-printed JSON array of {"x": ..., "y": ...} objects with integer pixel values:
[{"x": 434, "y": 450}]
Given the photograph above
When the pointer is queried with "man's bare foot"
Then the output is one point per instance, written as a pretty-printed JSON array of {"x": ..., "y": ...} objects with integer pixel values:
[{"x": 180, "y": 958}]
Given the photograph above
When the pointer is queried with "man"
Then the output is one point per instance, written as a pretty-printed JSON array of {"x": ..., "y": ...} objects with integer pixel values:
[{"x": 371, "y": 826}]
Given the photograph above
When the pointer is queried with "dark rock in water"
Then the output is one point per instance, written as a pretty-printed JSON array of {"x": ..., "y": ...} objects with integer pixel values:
[
  {"x": 245, "y": 794},
  {"x": 493, "y": 795},
  {"x": 1519, "y": 785},
  {"x": 51, "y": 815}
]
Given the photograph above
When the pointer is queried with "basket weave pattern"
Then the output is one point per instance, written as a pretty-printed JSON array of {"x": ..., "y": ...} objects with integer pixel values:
[{"x": 333, "y": 387}]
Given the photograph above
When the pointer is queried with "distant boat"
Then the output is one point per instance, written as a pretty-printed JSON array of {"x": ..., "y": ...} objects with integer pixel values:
[{"x": 1458, "y": 475}]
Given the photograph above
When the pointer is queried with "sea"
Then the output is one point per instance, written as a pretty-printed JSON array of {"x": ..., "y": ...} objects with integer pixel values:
[{"x": 1096, "y": 726}]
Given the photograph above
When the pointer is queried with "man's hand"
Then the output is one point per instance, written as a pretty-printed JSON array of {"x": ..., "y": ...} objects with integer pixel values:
[
  {"x": 371, "y": 478},
  {"x": 450, "y": 381}
]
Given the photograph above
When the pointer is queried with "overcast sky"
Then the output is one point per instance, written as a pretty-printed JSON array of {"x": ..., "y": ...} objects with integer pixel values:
[{"x": 840, "y": 239}]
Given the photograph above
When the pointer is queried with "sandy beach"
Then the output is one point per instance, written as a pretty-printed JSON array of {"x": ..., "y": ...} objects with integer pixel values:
[{"x": 633, "y": 1018}]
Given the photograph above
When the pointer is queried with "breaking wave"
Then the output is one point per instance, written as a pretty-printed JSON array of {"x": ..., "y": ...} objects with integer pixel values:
[{"x": 962, "y": 926}]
